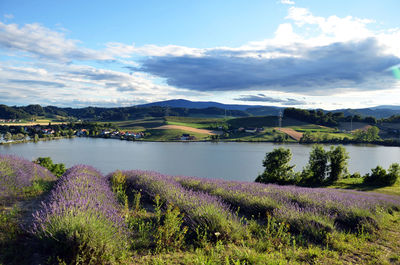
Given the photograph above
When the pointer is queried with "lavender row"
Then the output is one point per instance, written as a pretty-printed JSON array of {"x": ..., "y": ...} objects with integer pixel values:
[
  {"x": 201, "y": 210},
  {"x": 267, "y": 197},
  {"x": 82, "y": 208},
  {"x": 309, "y": 211},
  {"x": 16, "y": 174}
]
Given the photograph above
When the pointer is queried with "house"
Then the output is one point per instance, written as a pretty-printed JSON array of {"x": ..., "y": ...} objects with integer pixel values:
[
  {"x": 48, "y": 131},
  {"x": 82, "y": 132},
  {"x": 105, "y": 132},
  {"x": 134, "y": 135}
]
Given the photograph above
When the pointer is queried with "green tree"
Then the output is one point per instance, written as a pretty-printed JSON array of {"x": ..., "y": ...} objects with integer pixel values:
[
  {"x": 393, "y": 173},
  {"x": 7, "y": 136},
  {"x": 338, "y": 163},
  {"x": 381, "y": 177},
  {"x": 36, "y": 138},
  {"x": 369, "y": 135},
  {"x": 377, "y": 176},
  {"x": 277, "y": 168},
  {"x": 57, "y": 169},
  {"x": 70, "y": 132},
  {"x": 316, "y": 170},
  {"x": 45, "y": 162}
]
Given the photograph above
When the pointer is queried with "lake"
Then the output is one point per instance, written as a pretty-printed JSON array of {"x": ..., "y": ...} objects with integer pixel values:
[{"x": 233, "y": 161}]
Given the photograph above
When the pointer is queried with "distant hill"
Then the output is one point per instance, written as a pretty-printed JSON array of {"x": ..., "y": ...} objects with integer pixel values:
[
  {"x": 378, "y": 112},
  {"x": 183, "y": 103},
  {"x": 178, "y": 107},
  {"x": 256, "y": 110},
  {"x": 391, "y": 107}
]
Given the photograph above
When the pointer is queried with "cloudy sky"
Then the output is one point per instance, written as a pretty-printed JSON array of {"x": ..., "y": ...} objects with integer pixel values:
[{"x": 309, "y": 54}]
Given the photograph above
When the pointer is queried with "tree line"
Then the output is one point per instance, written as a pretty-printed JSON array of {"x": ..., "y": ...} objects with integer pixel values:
[
  {"x": 330, "y": 119},
  {"x": 107, "y": 114}
]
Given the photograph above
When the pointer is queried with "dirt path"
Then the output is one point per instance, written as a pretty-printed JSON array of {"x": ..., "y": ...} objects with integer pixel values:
[
  {"x": 186, "y": 128},
  {"x": 292, "y": 133}
]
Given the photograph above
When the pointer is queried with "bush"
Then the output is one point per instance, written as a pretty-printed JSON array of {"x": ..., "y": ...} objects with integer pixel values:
[
  {"x": 56, "y": 169},
  {"x": 379, "y": 176}
]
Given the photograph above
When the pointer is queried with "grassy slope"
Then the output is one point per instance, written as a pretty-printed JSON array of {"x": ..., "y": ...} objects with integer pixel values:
[
  {"x": 171, "y": 135},
  {"x": 356, "y": 184},
  {"x": 139, "y": 125}
]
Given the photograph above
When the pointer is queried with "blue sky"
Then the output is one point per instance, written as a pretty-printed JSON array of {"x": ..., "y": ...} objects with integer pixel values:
[{"x": 310, "y": 54}]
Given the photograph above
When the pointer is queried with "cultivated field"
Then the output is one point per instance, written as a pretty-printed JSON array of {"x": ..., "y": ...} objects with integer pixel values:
[
  {"x": 292, "y": 133},
  {"x": 185, "y": 128}
]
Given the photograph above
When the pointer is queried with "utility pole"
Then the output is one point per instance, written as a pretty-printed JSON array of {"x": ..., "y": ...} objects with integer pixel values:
[
  {"x": 280, "y": 119},
  {"x": 351, "y": 124}
]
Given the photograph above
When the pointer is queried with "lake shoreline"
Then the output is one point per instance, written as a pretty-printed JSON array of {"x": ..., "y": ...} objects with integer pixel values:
[
  {"x": 226, "y": 160},
  {"x": 39, "y": 140}
]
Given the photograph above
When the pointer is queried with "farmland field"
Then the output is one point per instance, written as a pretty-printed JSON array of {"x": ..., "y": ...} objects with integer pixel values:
[{"x": 144, "y": 217}]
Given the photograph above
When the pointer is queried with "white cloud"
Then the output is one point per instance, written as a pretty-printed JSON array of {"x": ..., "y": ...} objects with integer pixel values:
[
  {"x": 287, "y": 2},
  {"x": 333, "y": 27},
  {"x": 60, "y": 84},
  {"x": 38, "y": 41},
  {"x": 125, "y": 51}
]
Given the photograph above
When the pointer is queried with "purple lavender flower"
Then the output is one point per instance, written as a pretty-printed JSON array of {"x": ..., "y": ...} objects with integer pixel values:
[
  {"x": 82, "y": 210},
  {"x": 201, "y": 210},
  {"x": 16, "y": 174}
]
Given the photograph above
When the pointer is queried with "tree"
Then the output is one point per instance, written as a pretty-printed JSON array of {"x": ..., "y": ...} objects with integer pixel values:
[
  {"x": 369, "y": 135},
  {"x": 70, "y": 132},
  {"x": 277, "y": 168},
  {"x": 36, "y": 138},
  {"x": 7, "y": 136},
  {"x": 57, "y": 169},
  {"x": 394, "y": 173},
  {"x": 338, "y": 163},
  {"x": 381, "y": 177},
  {"x": 316, "y": 170},
  {"x": 377, "y": 176}
]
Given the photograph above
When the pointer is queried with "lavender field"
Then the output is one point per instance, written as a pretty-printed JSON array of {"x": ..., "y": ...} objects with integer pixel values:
[
  {"x": 19, "y": 176},
  {"x": 144, "y": 217}
]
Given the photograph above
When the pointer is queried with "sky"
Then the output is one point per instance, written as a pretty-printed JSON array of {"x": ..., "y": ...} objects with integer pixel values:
[{"x": 291, "y": 53}]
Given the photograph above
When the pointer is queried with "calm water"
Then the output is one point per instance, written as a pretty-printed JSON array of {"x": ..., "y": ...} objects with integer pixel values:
[{"x": 233, "y": 161}]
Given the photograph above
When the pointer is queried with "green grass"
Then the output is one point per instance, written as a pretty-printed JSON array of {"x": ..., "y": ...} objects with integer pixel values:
[
  {"x": 356, "y": 184},
  {"x": 312, "y": 128},
  {"x": 171, "y": 135},
  {"x": 268, "y": 135},
  {"x": 263, "y": 121},
  {"x": 194, "y": 120},
  {"x": 138, "y": 125},
  {"x": 199, "y": 123},
  {"x": 193, "y": 125}
]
